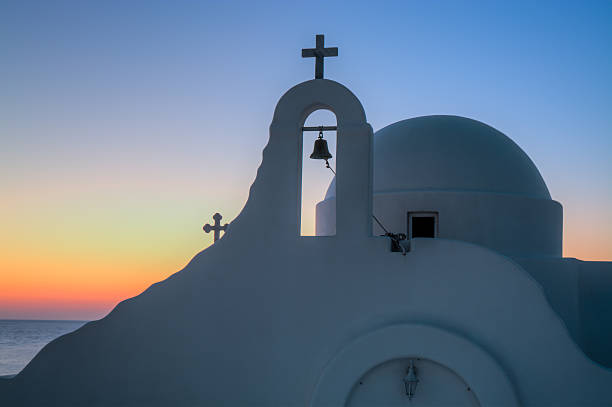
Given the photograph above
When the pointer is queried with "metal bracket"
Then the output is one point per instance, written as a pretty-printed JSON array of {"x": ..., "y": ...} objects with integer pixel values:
[
  {"x": 319, "y": 128},
  {"x": 396, "y": 239}
]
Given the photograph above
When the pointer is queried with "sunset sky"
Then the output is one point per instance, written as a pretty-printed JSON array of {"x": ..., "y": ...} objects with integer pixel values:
[{"x": 126, "y": 125}]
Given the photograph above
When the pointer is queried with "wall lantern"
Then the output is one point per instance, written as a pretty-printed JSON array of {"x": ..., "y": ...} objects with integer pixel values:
[{"x": 411, "y": 380}]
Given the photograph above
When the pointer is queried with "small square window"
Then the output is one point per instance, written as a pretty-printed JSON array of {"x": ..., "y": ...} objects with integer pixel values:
[{"x": 422, "y": 224}]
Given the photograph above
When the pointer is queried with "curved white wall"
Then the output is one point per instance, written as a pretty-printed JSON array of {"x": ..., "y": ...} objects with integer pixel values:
[
  {"x": 266, "y": 317},
  {"x": 513, "y": 225}
]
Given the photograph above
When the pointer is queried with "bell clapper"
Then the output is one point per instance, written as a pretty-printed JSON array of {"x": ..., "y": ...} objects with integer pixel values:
[{"x": 330, "y": 168}]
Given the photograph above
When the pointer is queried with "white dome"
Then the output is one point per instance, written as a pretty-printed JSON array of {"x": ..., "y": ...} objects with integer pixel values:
[{"x": 451, "y": 153}]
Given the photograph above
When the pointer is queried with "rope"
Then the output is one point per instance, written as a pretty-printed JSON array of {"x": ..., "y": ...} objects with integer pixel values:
[
  {"x": 380, "y": 224},
  {"x": 397, "y": 238},
  {"x": 330, "y": 168}
]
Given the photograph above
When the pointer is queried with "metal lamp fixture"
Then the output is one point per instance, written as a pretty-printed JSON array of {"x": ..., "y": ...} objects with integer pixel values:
[{"x": 411, "y": 380}]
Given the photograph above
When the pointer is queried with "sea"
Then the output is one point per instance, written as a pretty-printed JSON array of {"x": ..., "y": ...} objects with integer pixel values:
[{"x": 21, "y": 340}]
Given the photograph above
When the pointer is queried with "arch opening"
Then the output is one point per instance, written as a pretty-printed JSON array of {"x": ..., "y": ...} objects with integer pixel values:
[
  {"x": 437, "y": 386},
  {"x": 315, "y": 177}
]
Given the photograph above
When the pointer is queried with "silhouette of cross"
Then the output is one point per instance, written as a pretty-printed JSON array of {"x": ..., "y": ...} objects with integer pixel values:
[
  {"x": 319, "y": 53},
  {"x": 217, "y": 228}
]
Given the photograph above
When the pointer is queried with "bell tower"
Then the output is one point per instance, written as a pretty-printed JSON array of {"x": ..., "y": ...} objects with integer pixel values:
[{"x": 277, "y": 187}]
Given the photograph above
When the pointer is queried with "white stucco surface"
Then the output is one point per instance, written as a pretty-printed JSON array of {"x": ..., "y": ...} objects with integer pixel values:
[
  {"x": 483, "y": 186},
  {"x": 267, "y": 317},
  {"x": 451, "y": 153},
  {"x": 485, "y": 190}
]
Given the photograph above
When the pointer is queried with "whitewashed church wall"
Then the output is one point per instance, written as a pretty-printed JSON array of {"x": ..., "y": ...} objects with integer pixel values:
[
  {"x": 325, "y": 219},
  {"x": 262, "y": 316},
  {"x": 512, "y": 225},
  {"x": 581, "y": 293},
  {"x": 559, "y": 279},
  {"x": 596, "y": 309}
]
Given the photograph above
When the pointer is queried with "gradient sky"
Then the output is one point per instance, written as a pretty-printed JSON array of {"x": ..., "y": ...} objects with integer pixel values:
[{"x": 125, "y": 125}]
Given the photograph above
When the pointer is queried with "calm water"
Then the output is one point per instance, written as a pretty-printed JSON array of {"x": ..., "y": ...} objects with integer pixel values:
[{"x": 20, "y": 341}]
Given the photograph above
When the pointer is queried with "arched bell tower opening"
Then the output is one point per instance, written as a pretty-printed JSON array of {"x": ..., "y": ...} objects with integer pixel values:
[
  {"x": 317, "y": 172},
  {"x": 274, "y": 206}
]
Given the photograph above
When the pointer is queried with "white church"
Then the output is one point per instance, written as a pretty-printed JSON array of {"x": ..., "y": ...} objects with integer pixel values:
[{"x": 463, "y": 300}]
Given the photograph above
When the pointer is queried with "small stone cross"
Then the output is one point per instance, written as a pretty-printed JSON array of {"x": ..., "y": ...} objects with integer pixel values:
[
  {"x": 319, "y": 53},
  {"x": 217, "y": 228}
]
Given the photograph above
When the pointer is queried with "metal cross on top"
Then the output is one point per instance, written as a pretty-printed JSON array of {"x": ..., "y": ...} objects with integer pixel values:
[
  {"x": 217, "y": 228},
  {"x": 319, "y": 53}
]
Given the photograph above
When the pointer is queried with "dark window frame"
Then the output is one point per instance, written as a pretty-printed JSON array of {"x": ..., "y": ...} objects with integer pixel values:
[{"x": 423, "y": 214}]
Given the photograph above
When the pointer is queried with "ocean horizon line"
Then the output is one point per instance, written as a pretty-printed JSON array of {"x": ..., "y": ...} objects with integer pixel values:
[{"x": 43, "y": 320}]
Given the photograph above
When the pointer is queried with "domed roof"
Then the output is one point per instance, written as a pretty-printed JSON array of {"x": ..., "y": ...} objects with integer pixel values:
[{"x": 451, "y": 153}]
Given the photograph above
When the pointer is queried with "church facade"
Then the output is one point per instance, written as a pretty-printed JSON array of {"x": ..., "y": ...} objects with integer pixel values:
[
  {"x": 463, "y": 180},
  {"x": 477, "y": 308}
]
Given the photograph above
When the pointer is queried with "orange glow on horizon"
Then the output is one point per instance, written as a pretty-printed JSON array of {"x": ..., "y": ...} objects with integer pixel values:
[
  {"x": 76, "y": 256},
  {"x": 68, "y": 258},
  {"x": 61, "y": 290}
]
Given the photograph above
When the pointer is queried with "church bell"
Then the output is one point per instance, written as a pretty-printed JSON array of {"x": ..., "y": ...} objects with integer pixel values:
[{"x": 320, "y": 152}]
